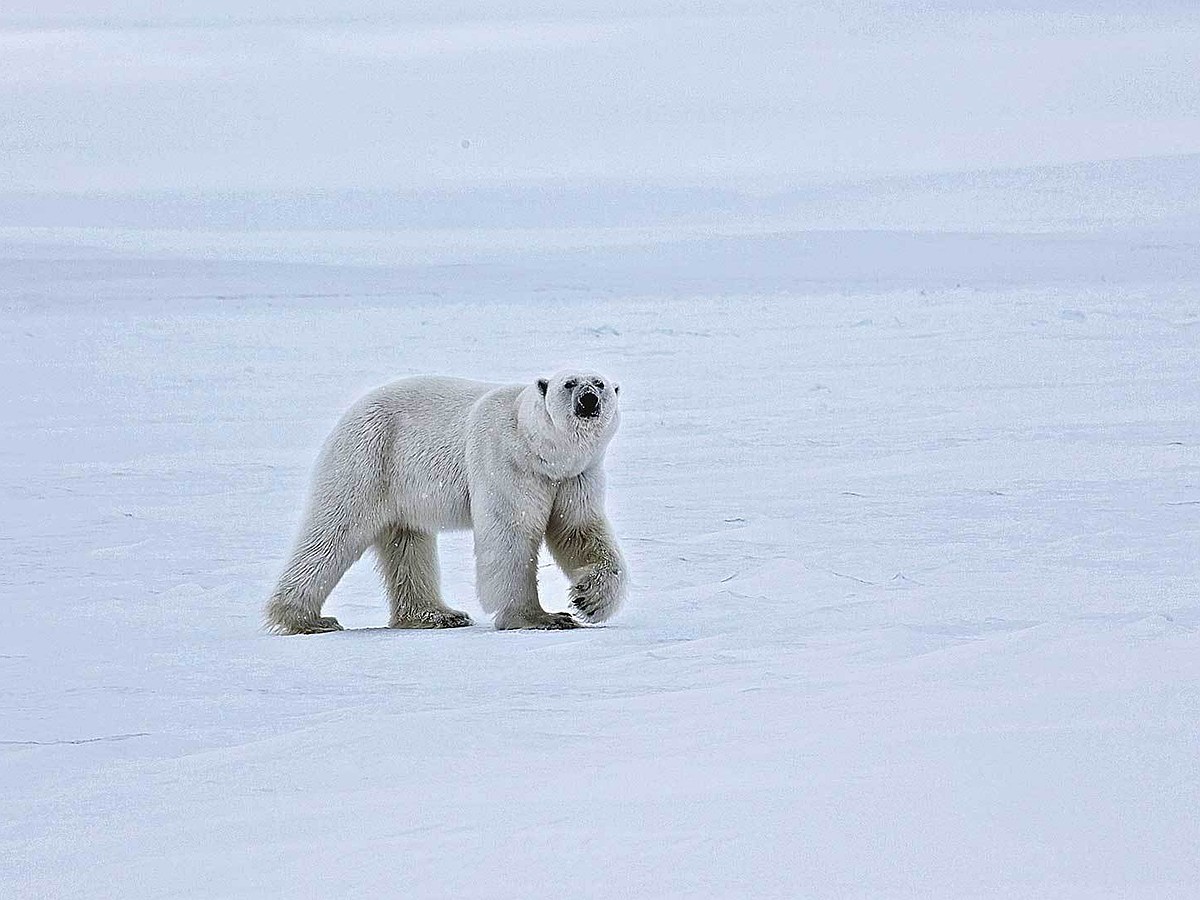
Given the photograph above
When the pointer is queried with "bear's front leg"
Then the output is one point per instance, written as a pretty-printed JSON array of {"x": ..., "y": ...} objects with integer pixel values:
[
  {"x": 583, "y": 545},
  {"x": 506, "y": 556}
]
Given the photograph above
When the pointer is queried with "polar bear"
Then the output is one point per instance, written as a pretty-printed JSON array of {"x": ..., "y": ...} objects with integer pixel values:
[{"x": 519, "y": 464}]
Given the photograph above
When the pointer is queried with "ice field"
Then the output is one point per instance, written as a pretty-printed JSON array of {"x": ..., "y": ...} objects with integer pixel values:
[{"x": 908, "y": 475}]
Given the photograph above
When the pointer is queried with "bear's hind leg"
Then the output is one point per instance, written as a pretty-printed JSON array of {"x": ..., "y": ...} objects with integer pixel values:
[
  {"x": 407, "y": 561},
  {"x": 319, "y": 561}
]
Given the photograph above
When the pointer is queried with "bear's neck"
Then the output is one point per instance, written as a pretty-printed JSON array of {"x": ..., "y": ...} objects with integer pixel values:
[{"x": 555, "y": 453}]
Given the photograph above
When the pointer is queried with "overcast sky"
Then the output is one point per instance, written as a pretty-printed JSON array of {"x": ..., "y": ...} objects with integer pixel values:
[{"x": 225, "y": 96}]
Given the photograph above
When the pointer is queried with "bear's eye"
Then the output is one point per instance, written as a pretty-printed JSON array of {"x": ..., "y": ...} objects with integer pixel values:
[{"x": 570, "y": 384}]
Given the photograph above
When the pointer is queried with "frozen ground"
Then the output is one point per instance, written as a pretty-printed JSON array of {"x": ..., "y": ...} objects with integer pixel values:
[
  {"x": 909, "y": 472},
  {"x": 914, "y": 608}
]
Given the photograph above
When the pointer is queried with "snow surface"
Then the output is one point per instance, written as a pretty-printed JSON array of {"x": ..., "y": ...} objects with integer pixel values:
[{"x": 908, "y": 475}]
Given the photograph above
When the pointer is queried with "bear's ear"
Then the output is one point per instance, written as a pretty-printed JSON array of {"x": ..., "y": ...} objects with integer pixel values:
[{"x": 542, "y": 385}]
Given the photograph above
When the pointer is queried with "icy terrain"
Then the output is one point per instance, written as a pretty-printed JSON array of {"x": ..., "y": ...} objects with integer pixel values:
[{"x": 908, "y": 475}]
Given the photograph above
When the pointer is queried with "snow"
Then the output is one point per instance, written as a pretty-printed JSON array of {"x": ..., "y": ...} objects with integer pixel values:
[{"x": 908, "y": 475}]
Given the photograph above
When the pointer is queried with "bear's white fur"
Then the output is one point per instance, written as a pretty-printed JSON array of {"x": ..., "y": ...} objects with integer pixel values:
[{"x": 517, "y": 463}]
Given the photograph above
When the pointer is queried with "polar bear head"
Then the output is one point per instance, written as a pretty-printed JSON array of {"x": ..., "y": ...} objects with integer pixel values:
[
  {"x": 567, "y": 421},
  {"x": 580, "y": 402}
]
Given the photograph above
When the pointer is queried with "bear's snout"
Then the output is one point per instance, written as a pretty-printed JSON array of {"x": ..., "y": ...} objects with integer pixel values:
[{"x": 587, "y": 404}]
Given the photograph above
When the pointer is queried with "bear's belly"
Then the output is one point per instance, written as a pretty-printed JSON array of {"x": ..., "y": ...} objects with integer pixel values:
[
  {"x": 429, "y": 493},
  {"x": 430, "y": 512}
]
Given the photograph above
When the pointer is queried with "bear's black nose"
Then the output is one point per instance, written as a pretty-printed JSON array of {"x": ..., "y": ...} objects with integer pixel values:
[{"x": 587, "y": 405}]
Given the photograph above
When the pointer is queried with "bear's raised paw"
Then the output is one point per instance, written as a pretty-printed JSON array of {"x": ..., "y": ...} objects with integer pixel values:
[{"x": 594, "y": 594}]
